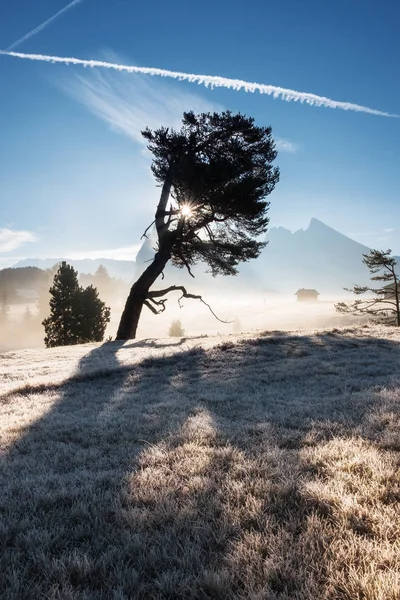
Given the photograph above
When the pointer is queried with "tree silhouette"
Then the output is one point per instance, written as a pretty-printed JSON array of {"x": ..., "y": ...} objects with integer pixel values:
[
  {"x": 216, "y": 173},
  {"x": 176, "y": 329},
  {"x": 93, "y": 316},
  {"x": 4, "y": 307},
  {"x": 385, "y": 304},
  {"x": 77, "y": 315}
]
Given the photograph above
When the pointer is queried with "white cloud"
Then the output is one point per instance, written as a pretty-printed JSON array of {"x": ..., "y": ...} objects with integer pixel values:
[
  {"x": 212, "y": 81},
  {"x": 283, "y": 145},
  {"x": 10, "y": 240},
  {"x": 123, "y": 253},
  {"x": 131, "y": 103}
]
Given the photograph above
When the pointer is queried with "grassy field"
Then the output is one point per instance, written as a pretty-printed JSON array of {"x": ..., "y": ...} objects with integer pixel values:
[{"x": 249, "y": 466}]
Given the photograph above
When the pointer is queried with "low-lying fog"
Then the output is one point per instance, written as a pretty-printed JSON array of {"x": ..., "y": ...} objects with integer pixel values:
[{"x": 246, "y": 312}]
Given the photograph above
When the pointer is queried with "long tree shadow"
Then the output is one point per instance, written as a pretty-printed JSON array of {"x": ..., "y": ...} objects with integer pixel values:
[{"x": 188, "y": 476}]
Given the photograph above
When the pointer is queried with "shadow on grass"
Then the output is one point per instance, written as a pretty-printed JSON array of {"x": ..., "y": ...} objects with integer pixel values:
[{"x": 183, "y": 476}]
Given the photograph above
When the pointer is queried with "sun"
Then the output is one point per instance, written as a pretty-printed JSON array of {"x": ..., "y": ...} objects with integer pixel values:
[{"x": 186, "y": 210}]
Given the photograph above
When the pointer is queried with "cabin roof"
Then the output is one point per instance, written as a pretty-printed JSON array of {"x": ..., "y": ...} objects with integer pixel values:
[{"x": 304, "y": 291}]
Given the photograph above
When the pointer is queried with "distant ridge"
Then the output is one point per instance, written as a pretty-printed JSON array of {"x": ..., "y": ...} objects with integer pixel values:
[
  {"x": 317, "y": 257},
  {"x": 121, "y": 269}
]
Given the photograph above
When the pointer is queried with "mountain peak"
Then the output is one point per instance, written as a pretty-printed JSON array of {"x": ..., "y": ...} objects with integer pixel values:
[
  {"x": 317, "y": 224},
  {"x": 314, "y": 222}
]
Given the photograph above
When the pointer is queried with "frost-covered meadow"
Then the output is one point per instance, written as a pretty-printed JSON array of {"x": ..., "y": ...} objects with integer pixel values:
[{"x": 248, "y": 466}]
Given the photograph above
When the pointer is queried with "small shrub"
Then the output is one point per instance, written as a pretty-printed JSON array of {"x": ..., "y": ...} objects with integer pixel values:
[{"x": 176, "y": 329}]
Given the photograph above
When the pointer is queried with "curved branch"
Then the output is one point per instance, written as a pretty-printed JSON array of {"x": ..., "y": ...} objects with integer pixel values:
[
  {"x": 186, "y": 265},
  {"x": 153, "y": 310},
  {"x": 160, "y": 303},
  {"x": 185, "y": 294},
  {"x": 146, "y": 230}
]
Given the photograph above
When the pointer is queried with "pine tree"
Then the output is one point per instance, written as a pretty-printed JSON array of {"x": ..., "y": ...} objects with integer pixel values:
[
  {"x": 62, "y": 326},
  {"x": 102, "y": 273},
  {"x": 176, "y": 329},
  {"x": 216, "y": 173},
  {"x": 4, "y": 307},
  {"x": 384, "y": 303},
  {"x": 77, "y": 315},
  {"x": 93, "y": 316}
]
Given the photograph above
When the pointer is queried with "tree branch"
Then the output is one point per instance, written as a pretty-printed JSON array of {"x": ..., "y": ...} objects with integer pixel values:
[
  {"x": 161, "y": 226},
  {"x": 146, "y": 230},
  {"x": 173, "y": 288},
  {"x": 153, "y": 310},
  {"x": 186, "y": 265},
  {"x": 160, "y": 303}
]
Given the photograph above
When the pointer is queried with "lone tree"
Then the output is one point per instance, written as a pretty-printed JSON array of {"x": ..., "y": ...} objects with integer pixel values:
[
  {"x": 176, "y": 329},
  {"x": 215, "y": 174},
  {"x": 77, "y": 315},
  {"x": 385, "y": 304}
]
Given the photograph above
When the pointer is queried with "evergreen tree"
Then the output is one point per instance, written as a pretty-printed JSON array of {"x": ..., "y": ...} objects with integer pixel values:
[
  {"x": 102, "y": 273},
  {"x": 176, "y": 329},
  {"x": 77, "y": 315},
  {"x": 383, "y": 303},
  {"x": 93, "y": 316},
  {"x": 4, "y": 307},
  {"x": 218, "y": 172},
  {"x": 62, "y": 326}
]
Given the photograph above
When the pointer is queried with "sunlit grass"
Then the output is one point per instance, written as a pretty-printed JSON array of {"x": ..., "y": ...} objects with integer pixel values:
[{"x": 262, "y": 467}]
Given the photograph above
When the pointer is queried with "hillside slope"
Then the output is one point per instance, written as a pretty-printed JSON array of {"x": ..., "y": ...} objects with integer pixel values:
[{"x": 225, "y": 467}]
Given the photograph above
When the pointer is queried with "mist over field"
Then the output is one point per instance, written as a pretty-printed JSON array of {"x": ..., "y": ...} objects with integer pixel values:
[
  {"x": 245, "y": 312},
  {"x": 261, "y": 297}
]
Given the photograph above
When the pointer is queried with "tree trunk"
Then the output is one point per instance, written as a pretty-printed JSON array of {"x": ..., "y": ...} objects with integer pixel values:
[
  {"x": 138, "y": 293},
  {"x": 396, "y": 291}
]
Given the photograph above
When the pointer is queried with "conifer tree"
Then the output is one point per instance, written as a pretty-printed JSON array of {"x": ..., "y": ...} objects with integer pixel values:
[
  {"x": 382, "y": 303},
  {"x": 77, "y": 315},
  {"x": 62, "y": 326},
  {"x": 93, "y": 316},
  {"x": 215, "y": 173},
  {"x": 4, "y": 307},
  {"x": 176, "y": 329}
]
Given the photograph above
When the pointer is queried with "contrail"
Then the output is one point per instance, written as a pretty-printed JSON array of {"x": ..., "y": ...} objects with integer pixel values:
[
  {"x": 212, "y": 81},
  {"x": 43, "y": 25}
]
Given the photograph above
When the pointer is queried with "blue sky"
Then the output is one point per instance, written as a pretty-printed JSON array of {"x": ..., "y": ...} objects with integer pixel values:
[{"x": 74, "y": 173}]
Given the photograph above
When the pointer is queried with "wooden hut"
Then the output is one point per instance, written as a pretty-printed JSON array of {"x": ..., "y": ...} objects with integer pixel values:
[{"x": 305, "y": 295}]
